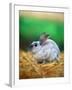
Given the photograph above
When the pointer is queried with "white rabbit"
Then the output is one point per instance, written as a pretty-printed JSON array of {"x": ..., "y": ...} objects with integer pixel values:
[{"x": 47, "y": 52}]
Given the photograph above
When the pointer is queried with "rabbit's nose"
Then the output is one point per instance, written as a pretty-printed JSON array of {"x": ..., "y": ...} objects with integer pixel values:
[{"x": 33, "y": 46}]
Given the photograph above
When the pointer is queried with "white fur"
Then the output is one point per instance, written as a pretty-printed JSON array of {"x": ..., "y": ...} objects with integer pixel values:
[{"x": 47, "y": 52}]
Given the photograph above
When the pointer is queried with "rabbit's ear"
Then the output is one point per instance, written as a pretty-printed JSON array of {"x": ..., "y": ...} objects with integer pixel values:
[{"x": 46, "y": 35}]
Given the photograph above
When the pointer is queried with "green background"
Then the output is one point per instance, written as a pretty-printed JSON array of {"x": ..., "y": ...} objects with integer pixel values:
[{"x": 30, "y": 29}]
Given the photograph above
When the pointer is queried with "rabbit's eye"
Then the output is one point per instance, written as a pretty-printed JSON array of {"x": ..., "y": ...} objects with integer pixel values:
[{"x": 35, "y": 44}]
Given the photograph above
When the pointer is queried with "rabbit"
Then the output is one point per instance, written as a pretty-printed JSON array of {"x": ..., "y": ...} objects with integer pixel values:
[{"x": 45, "y": 53}]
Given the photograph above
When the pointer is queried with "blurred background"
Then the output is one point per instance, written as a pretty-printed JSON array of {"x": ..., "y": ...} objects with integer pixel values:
[{"x": 33, "y": 24}]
